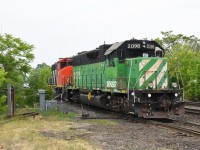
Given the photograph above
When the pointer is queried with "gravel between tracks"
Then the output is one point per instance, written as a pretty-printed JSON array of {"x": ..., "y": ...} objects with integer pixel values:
[{"x": 133, "y": 134}]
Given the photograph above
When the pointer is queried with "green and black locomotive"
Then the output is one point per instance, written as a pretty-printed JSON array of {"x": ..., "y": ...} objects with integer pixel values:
[{"x": 129, "y": 76}]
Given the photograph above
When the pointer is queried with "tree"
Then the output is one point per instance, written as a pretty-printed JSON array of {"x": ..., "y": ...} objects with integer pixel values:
[
  {"x": 170, "y": 40},
  {"x": 2, "y": 94},
  {"x": 15, "y": 58},
  {"x": 183, "y": 53},
  {"x": 38, "y": 80}
]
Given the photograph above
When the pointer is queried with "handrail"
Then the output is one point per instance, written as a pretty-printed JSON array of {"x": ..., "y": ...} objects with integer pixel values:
[
  {"x": 129, "y": 77},
  {"x": 137, "y": 81}
]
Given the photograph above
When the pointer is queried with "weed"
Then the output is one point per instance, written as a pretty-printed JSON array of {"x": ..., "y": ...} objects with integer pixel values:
[
  {"x": 52, "y": 131},
  {"x": 58, "y": 115},
  {"x": 102, "y": 121}
]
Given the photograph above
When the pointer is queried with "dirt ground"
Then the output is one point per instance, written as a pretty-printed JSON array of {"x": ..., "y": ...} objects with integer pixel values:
[
  {"x": 134, "y": 134},
  {"x": 67, "y": 131},
  {"x": 129, "y": 135}
]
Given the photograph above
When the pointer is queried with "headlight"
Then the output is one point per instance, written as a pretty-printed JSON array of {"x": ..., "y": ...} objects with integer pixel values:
[
  {"x": 151, "y": 85},
  {"x": 174, "y": 85},
  {"x": 132, "y": 93},
  {"x": 149, "y": 95},
  {"x": 176, "y": 94}
]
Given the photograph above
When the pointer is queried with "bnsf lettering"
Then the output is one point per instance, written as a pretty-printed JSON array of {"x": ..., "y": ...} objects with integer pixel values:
[
  {"x": 111, "y": 84},
  {"x": 150, "y": 46},
  {"x": 133, "y": 45}
]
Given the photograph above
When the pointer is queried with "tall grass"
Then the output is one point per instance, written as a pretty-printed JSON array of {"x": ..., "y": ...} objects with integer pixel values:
[{"x": 53, "y": 130}]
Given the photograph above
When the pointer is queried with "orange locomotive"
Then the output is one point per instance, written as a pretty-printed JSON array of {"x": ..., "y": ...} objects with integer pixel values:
[{"x": 62, "y": 72}]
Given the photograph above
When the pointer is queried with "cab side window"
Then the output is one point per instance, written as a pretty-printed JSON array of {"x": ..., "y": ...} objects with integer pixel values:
[
  {"x": 111, "y": 60},
  {"x": 159, "y": 53},
  {"x": 121, "y": 55}
]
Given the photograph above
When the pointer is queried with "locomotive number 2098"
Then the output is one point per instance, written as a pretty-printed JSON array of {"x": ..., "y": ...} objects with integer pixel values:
[
  {"x": 150, "y": 46},
  {"x": 133, "y": 45}
]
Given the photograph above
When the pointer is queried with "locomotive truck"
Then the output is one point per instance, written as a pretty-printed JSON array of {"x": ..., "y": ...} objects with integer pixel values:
[{"x": 129, "y": 76}]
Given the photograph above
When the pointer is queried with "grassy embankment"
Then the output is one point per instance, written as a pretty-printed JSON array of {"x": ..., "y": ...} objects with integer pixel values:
[{"x": 49, "y": 130}]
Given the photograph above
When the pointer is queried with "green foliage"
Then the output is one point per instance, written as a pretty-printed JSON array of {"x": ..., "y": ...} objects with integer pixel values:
[
  {"x": 183, "y": 53},
  {"x": 3, "y": 107},
  {"x": 38, "y": 80},
  {"x": 170, "y": 40},
  {"x": 15, "y": 58},
  {"x": 58, "y": 115},
  {"x": 2, "y": 76},
  {"x": 102, "y": 122}
]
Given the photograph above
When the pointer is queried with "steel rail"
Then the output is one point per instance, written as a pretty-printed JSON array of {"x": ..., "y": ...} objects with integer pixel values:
[
  {"x": 178, "y": 128},
  {"x": 190, "y": 103},
  {"x": 192, "y": 110},
  {"x": 20, "y": 116},
  {"x": 189, "y": 123},
  {"x": 29, "y": 114},
  {"x": 192, "y": 107}
]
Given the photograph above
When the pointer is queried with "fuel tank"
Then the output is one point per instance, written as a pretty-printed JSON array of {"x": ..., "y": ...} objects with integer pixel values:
[{"x": 95, "y": 100}]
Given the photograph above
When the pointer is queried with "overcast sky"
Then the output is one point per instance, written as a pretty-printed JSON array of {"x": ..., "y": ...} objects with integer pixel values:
[{"x": 61, "y": 28}]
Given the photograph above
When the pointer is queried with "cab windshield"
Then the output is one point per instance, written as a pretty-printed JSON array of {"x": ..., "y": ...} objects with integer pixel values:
[
  {"x": 130, "y": 53},
  {"x": 139, "y": 53}
]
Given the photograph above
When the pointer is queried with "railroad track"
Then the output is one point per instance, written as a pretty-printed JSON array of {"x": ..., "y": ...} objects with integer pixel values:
[
  {"x": 172, "y": 125},
  {"x": 192, "y": 107},
  {"x": 189, "y": 123},
  {"x": 20, "y": 116},
  {"x": 189, "y": 103},
  {"x": 183, "y": 131},
  {"x": 179, "y": 128},
  {"x": 29, "y": 114},
  {"x": 192, "y": 110}
]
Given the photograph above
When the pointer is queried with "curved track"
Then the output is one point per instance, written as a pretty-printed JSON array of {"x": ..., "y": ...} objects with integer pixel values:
[
  {"x": 178, "y": 128},
  {"x": 183, "y": 127},
  {"x": 192, "y": 107},
  {"x": 192, "y": 111}
]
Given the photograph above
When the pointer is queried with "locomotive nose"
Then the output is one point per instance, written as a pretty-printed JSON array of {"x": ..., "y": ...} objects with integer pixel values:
[{"x": 165, "y": 103}]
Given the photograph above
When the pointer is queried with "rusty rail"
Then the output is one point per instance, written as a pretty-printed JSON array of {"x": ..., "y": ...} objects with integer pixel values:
[
  {"x": 177, "y": 128},
  {"x": 192, "y": 107},
  {"x": 189, "y": 123},
  {"x": 192, "y": 111},
  {"x": 190, "y": 103},
  {"x": 29, "y": 114},
  {"x": 20, "y": 116}
]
